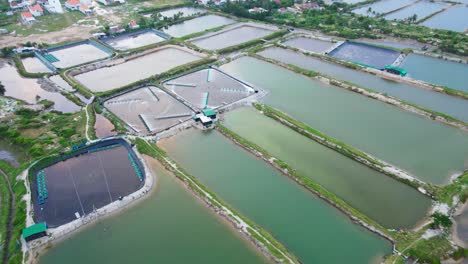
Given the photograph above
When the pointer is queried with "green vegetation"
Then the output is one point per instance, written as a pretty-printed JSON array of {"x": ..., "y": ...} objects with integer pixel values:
[
  {"x": 2, "y": 89},
  {"x": 431, "y": 250},
  {"x": 338, "y": 20},
  {"x": 273, "y": 245},
  {"x": 15, "y": 255},
  {"x": 22, "y": 71},
  {"x": 457, "y": 188},
  {"x": 440, "y": 220},
  {"x": 46, "y": 23},
  {"x": 91, "y": 121}
]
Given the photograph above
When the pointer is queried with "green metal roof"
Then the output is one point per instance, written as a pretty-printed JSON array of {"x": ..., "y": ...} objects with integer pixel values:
[
  {"x": 401, "y": 70},
  {"x": 209, "y": 112},
  {"x": 34, "y": 229}
]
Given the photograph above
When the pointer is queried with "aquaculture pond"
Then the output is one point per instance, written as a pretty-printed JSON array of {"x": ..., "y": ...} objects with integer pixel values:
[
  {"x": 72, "y": 55},
  {"x": 381, "y": 7},
  {"x": 30, "y": 91},
  {"x": 308, "y": 226},
  {"x": 232, "y": 36},
  {"x": 421, "y": 9},
  {"x": 454, "y": 18},
  {"x": 437, "y": 71},
  {"x": 197, "y": 25},
  {"x": 34, "y": 65},
  {"x": 186, "y": 11},
  {"x": 436, "y": 101},
  {"x": 309, "y": 44},
  {"x": 157, "y": 230},
  {"x": 103, "y": 127},
  {"x": 365, "y": 54},
  {"x": 135, "y": 40},
  {"x": 108, "y": 78},
  {"x": 389, "y": 202},
  {"x": 58, "y": 80},
  {"x": 385, "y": 131}
]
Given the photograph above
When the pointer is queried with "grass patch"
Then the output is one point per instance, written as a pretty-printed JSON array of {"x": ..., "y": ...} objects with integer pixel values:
[{"x": 46, "y": 23}]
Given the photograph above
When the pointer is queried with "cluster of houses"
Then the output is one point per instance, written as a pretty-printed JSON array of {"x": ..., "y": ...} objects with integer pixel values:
[
  {"x": 299, "y": 8},
  {"x": 31, "y": 9}
]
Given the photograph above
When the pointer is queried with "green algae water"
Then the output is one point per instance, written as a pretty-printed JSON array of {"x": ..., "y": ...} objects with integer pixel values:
[
  {"x": 309, "y": 227},
  {"x": 429, "y": 150},
  {"x": 387, "y": 201},
  {"x": 171, "y": 226},
  {"x": 454, "y": 106}
]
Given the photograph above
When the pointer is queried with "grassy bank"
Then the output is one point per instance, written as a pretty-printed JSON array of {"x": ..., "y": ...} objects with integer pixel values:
[
  {"x": 15, "y": 255},
  {"x": 274, "y": 247},
  {"x": 337, "y": 145}
]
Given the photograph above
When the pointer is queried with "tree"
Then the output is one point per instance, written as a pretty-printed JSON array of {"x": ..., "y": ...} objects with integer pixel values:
[
  {"x": 440, "y": 220},
  {"x": 2, "y": 89}
]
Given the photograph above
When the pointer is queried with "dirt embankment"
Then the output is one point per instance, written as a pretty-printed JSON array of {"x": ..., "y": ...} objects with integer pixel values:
[{"x": 65, "y": 35}]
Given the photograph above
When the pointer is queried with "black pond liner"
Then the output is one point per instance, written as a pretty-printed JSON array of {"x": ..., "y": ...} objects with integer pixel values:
[{"x": 86, "y": 180}]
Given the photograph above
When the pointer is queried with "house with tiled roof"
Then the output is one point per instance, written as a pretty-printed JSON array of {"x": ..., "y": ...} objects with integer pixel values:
[
  {"x": 257, "y": 10},
  {"x": 27, "y": 18},
  {"x": 72, "y": 4},
  {"x": 36, "y": 10},
  {"x": 85, "y": 9},
  {"x": 133, "y": 25}
]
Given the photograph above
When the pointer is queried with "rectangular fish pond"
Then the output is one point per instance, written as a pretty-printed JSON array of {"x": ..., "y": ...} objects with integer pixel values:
[
  {"x": 148, "y": 109},
  {"x": 381, "y": 7},
  {"x": 198, "y": 24},
  {"x": 430, "y": 150},
  {"x": 119, "y": 73},
  {"x": 454, "y": 18},
  {"x": 421, "y": 9},
  {"x": 73, "y": 54},
  {"x": 233, "y": 35},
  {"x": 309, "y": 227},
  {"x": 429, "y": 99},
  {"x": 136, "y": 39},
  {"x": 437, "y": 71},
  {"x": 35, "y": 65},
  {"x": 83, "y": 181},
  {"x": 185, "y": 11},
  {"x": 309, "y": 44},
  {"x": 365, "y": 54},
  {"x": 208, "y": 88}
]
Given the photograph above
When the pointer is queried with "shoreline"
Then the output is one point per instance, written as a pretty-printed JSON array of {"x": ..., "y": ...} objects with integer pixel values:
[
  {"x": 207, "y": 207},
  {"x": 39, "y": 246}
]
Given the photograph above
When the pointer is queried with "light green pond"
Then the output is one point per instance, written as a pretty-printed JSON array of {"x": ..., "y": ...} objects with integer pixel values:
[
  {"x": 171, "y": 226},
  {"x": 387, "y": 201},
  {"x": 427, "y": 149},
  {"x": 309, "y": 227}
]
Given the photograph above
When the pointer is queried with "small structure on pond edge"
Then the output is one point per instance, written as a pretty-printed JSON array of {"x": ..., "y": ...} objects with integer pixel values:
[
  {"x": 206, "y": 117},
  {"x": 35, "y": 231}
]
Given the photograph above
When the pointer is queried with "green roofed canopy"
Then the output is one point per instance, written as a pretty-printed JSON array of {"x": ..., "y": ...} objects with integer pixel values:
[
  {"x": 34, "y": 229},
  {"x": 209, "y": 112}
]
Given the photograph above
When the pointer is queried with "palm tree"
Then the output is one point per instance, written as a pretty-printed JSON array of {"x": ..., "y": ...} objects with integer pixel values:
[{"x": 2, "y": 89}]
